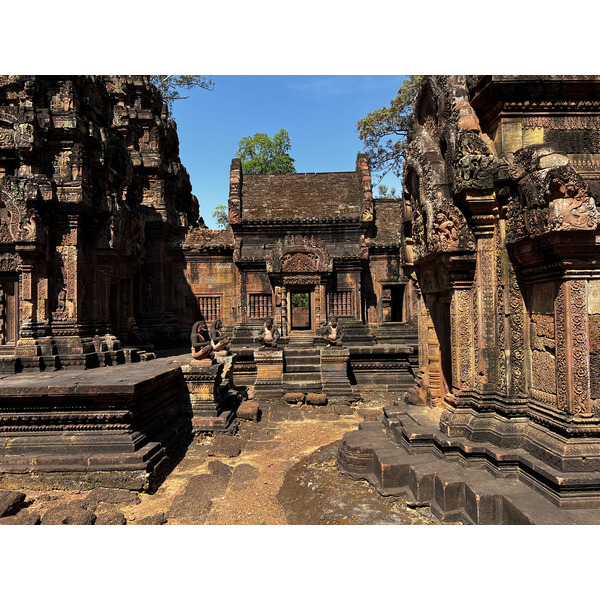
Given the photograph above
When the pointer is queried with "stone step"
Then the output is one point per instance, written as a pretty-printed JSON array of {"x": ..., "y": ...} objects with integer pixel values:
[
  {"x": 455, "y": 492},
  {"x": 290, "y": 351},
  {"x": 301, "y": 387},
  {"x": 304, "y": 368},
  {"x": 308, "y": 377}
]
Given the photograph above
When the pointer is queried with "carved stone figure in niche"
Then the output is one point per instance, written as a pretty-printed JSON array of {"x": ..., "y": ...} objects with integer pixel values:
[
  {"x": 573, "y": 207},
  {"x": 32, "y": 229},
  {"x": 60, "y": 313},
  {"x": 334, "y": 333},
  {"x": 202, "y": 349},
  {"x": 447, "y": 236},
  {"x": 219, "y": 341},
  {"x": 269, "y": 335}
]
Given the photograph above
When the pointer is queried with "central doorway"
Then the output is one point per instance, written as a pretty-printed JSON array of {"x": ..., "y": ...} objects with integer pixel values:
[{"x": 301, "y": 310}]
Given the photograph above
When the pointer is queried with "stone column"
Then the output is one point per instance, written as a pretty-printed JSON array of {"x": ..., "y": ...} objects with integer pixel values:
[
  {"x": 284, "y": 311},
  {"x": 28, "y": 293},
  {"x": 334, "y": 374},
  {"x": 206, "y": 401},
  {"x": 430, "y": 348}
]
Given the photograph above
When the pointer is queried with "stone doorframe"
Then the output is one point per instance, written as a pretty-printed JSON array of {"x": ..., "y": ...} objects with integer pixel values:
[{"x": 315, "y": 284}]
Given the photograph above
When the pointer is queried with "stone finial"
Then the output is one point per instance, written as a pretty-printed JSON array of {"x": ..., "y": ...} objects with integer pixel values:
[
  {"x": 235, "y": 191},
  {"x": 364, "y": 172}
]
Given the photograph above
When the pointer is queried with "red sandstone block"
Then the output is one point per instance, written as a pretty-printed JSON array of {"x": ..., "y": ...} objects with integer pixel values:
[
  {"x": 294, "y": 397},
  {"x": 248, "y": 410},
  {"x": 316, "y": 399}
]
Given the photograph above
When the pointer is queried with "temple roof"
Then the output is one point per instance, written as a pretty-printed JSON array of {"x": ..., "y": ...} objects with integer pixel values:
[
  {"x": 388, "y": 219},
  {"x": 276, "y": 196}
]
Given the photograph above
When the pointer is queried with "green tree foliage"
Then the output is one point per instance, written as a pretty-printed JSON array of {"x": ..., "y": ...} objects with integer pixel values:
[
  {"x": 221, "y": 216},
  {"x": 384, "y": 131},
  {"x": 261, "y": 154},
  {"x": 170, "y": 85},
  {"x": 385, "y": 193}
]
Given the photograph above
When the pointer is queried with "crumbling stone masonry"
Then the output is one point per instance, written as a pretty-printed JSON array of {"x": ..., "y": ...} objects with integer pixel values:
[
  {"x": 93, "y": 197},
  {"x": 502, "y": 236}
]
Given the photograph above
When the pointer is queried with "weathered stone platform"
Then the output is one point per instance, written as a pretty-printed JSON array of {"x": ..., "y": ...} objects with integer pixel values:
[
  {"x": 405, "y": 454},
  {"x": 113, "y": 427}
]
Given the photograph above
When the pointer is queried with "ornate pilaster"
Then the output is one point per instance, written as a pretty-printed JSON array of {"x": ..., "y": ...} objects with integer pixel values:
[{"x": 572, "y": 348}]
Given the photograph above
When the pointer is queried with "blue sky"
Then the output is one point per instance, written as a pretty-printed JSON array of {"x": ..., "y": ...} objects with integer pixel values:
[{"x": 319, "y": 112}]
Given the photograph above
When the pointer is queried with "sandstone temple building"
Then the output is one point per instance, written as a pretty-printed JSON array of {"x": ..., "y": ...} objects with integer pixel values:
[
  {"x": 473, "y": 300},
  {"x": 103, "y": 246},
  {"x": 501, "y": 184}
]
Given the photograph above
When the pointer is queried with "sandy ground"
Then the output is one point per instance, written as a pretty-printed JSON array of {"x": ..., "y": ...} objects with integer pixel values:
[{"x": 279, "y": 470}]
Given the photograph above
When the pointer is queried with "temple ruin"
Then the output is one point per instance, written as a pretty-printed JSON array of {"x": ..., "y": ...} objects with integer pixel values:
[
  {"x": 472, "y": 300},
  {"x": 105, "y": 258},
  {"x": 501, "y": 235}
]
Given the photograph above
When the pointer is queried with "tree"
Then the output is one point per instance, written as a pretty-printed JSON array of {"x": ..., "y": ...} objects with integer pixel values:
[
  {"x": 221, "y": 217},
  {"x": 169, "y": 85},
  {"x": 384, "y": 131},
  {"x": 385, "y": 193},
  {"x": 261, "y": 154}
]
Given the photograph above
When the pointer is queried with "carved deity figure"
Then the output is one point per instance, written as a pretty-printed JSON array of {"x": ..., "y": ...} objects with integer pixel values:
[
  {"x": 219, "y": 341},
  {"x": 201, "y": 344},
  {"x": 269, "y": 335},
  {"x": 447, "y": 234},
  {"x": 333, "y": 332}
]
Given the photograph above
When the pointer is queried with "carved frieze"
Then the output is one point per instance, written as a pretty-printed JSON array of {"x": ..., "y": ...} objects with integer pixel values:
[{"x": 9, "y": 263}]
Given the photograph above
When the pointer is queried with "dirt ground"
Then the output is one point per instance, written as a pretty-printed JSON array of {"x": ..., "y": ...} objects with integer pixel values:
[{"x": 279, "y": 470}]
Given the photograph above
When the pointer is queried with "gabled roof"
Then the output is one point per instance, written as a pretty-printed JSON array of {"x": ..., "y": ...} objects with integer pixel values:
[{"x": 285, "y": 196}]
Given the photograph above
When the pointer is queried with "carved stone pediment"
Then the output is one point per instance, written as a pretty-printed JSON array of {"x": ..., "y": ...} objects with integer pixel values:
[
  {"x": 299, "y": 262},
  {"x": 299, "y": 254}
]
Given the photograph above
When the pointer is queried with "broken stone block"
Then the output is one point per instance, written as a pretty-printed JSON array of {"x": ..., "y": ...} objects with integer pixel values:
[
  {"x": 157, "y": 519},
  {"x": 24, "y": 517},
  {"x": 225, "y": 445},
  {"x": 316, "y": 399},
  {"x": 248, "y": 411},
  {"x": 69, "y": 515},
  {"x": 293, "y": 397},
  {"x": 10, "y": 502},
  {"x": 111, "y": 517}
]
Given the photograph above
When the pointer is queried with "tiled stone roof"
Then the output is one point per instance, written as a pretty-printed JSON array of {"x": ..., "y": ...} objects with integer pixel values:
[{"x": 285, "y": 196}]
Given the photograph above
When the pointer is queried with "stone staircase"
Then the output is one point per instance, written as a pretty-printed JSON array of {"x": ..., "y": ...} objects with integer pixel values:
[
  {"x": 302, "y": 369},
  {"x": 395, "y": 334},
  {"x": 397, "y": 454},
  {"x": 301, "y": 339}
]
